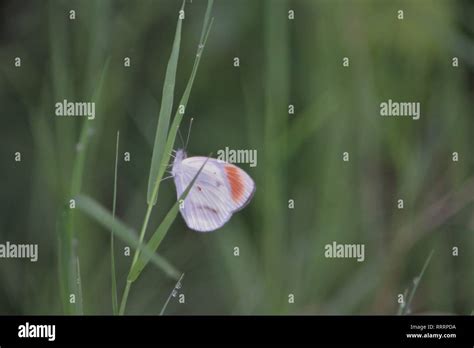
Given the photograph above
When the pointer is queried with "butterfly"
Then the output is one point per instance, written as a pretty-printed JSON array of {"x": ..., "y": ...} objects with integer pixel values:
[{"x": 220, "y": 190}]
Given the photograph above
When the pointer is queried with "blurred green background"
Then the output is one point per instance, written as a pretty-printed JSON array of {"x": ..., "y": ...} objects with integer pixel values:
[{"x": 282, "y": 62}]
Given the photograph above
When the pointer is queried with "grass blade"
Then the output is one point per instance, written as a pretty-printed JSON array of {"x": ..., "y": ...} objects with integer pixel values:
[
  {"x": 406, "y": 308},
  {"x": 67, "y": 222},
  {"x": 402, "y": 306},
  {"x": 164, "y": 116},
  {"x": 184, "y": 99},
  {"x": 172, "y": 294},
  {"x": 64, "y": 259},
  {"x": 416, "y": 282},
  {"x": 160, "y": 232},
  {"x": 96, "y": 211},
  {"x": 112, "y": 252},
  {"x": 81, "y": 147},
  {"x": 207, "y": 19},
  {"x": 80, "y": 301}
]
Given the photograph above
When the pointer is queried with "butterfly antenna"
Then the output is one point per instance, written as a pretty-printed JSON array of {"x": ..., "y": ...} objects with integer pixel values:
[
  {"x": 189, "y": 132},
  {"x": 182, "y": 140}
]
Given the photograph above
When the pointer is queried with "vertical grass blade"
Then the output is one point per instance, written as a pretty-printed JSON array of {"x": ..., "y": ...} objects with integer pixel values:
[
  {"x": 80, "y": 302},
  {"x": 206, "y": 26},
  {"x": 160, "y": 232},
  {"x": 164, "y": 115},
  {"x": 66, "y": 223},
  {"x": 64, "y": 257},
  {"x": 62, "y": 87},
  {"x": 274, "y": 217},
  {"x": 81, "y": 147},
  {"x": 185, "y": 97},
  {"x": 112, "y": 252}
]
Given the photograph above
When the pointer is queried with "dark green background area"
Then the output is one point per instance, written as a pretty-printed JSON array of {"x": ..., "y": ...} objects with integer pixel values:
[{"x": 282, "y": 62}]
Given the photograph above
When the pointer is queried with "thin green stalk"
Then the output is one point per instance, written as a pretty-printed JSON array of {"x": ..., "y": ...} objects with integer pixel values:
[
  {"x": 112, "y": 253},
  {"x": 406, "y": 308},
  {"x": 176, "y": 287},
  {"x": 402, "y": 306},
  {"x": 142, "y": 232},
  {"x": 276, "y": 99},
  {"x": 138, "y": 264},
  {"x": 78, "y": 171},
  {"x": 80, "y": 302},
  {"x": 123, "y": 303},
  {"x": 416, "y": 282},
  {"x": 160, "y": 140}
]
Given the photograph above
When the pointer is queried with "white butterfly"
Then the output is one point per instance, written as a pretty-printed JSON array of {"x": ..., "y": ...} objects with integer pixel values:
[{"x": 220, "y": 190}]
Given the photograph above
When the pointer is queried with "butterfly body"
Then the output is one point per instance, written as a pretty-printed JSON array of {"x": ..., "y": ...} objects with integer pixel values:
[{"x": 220, "y": 190}]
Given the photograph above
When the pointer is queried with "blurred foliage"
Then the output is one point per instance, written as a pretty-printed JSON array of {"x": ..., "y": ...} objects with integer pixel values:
[{"x": 299, "y": 156}]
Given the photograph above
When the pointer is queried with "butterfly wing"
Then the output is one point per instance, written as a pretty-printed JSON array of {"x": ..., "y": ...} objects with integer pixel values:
[{"x": 220, "y": 190}]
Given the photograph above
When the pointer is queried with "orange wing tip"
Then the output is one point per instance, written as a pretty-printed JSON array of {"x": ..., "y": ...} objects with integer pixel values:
[{"x": 235, "y": 181}]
